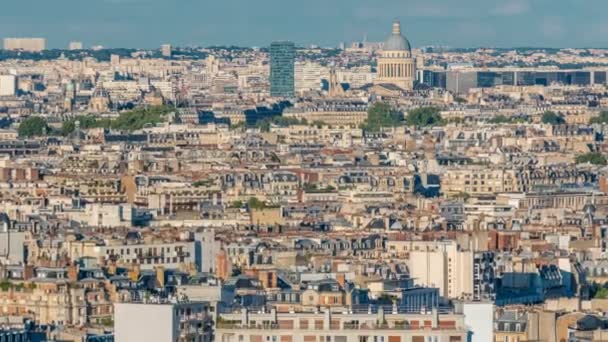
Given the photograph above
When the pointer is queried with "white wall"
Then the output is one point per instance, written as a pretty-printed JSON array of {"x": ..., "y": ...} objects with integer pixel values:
[
  {"x": 145, "y": 323},
  {"x": 8, "y": 85},
  {"x": 479, "y": 319}
]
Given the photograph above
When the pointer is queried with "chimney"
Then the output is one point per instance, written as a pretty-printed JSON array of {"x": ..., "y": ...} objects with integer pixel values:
[
  {"x": 380, "y": 315},
  {"x": 134, "y": 273},
  {"x": 112, "y": 269},
  {"x": 160, "y": 275},
  {"x": 341, "y": 279},
  {"x": 73, "y": 273},
  {"x": 28, "y": 272}
]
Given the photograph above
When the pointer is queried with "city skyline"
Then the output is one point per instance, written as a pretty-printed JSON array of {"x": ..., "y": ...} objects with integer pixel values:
[{"x": 149, "y": 23}]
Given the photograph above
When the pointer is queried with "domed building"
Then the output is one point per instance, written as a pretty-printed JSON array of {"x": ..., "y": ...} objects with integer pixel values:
[
  {"x": 100, "y": 101},
  {"x": 395, "y": 63}
]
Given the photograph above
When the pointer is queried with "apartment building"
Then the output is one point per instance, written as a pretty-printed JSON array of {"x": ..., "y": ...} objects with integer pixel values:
[
  {"x": 328, "y": 326},
  {"x": 162, "y": 322}
]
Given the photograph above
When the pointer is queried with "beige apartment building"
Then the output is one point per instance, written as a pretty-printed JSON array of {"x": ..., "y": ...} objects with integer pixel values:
[
  {"x": 344, "y": 116},
  {"x": 341, "y": 327},
  {"x": 25, "y": 44},
  {"x": 478, "y": 180}
]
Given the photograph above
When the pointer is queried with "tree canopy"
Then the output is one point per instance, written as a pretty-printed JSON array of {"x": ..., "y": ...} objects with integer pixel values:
[
  {"x": 552, "y": 118},
  {"x": 424, "y": 116},
  {"x": 601, "y": 293},
  {"x": 600, "y": 119},
  {"x": 33, "y": 126},
  {"x": 130, "y": 121},
  {"x": 281, "y": 121},
  {"x": 595, "y": 158},
  {"x": 499, "y": 119},
  {"x": 381, "y": 115}
]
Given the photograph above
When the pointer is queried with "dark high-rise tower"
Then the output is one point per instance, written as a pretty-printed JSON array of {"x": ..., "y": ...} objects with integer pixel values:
[{"x": 282, "y": 60}]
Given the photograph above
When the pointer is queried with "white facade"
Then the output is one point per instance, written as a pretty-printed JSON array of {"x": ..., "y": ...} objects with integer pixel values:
[
  {"x": 479, "y": 319},
  {"x": 160, "y": 322},
  {"x": 166, "y": 50},
  {"x": 75, "y": 46},
  {"x": 443, "y": 266},
  {"x": 106, "y": 215},
  {"x": 8, "y": 85},
  {"x": 132, "y": 322},
  {"x": 12, "y": 249},
  {"x": 356, "y": 77},
  {"x": 308, "y": 76}
]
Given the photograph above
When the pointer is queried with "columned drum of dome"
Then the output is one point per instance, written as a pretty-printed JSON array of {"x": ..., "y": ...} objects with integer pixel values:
[{"x": 395, "y": 63}]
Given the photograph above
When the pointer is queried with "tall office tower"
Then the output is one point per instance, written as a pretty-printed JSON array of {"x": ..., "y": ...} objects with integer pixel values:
[
  {"x": 8, "y": 85},
  {"x": 75, "y": 46},
  {"x": 282, "y": 60},
  {"x": 166, "y": 50},
  {"x": 25, "y": 44}
]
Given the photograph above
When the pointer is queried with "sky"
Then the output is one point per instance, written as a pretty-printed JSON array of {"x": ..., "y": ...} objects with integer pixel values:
[{"x": 454, "y": 23}]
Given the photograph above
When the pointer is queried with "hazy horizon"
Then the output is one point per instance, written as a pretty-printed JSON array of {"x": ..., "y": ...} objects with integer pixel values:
[{"x": 146, "y": 24}]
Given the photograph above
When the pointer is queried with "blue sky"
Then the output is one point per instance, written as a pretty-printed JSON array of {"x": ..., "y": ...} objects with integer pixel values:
[{"x": 457, "y": 23}]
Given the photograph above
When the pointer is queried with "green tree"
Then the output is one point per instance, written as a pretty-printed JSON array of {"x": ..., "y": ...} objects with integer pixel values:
[
  {"x": 139, "y": 118},
  {"x": 499, "y": 119},
  {"x": 33, "y": 126},
  {"x": 552, "y": 118},
  {"x": 381, "y": 115},
  {"x": 5, "y": 285},
  {"x": 129, "y": 121},
  {"x": 601, "y": 293},
  {"x": 425, "y": 116},
  {"x": 236, "y": 204},
  {"x": 319, "y": 123},
  {"x": 85, "y": 122},
  {"x": 255, "y": 203},
  {"x": 595, "y": 158},
  {"x": 600, "y": 119},
  {"x": 202, "y": 183}
]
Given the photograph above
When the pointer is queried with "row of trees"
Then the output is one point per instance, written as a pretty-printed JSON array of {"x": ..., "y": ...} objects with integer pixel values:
[
  {"x": 382, "y": 115},
  {"x": 132, "y": 120},
  {"x": 595, "y": 158}
]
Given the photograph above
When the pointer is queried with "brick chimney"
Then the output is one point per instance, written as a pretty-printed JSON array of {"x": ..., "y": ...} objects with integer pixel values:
[
  {"x": 28, "y": 272},
  {"x": 73, "y": 273},
  {"x": 341, "y": 279}
]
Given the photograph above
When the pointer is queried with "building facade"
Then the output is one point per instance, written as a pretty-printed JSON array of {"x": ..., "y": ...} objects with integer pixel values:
[
  {"x": 25, "y": 44},
  {"x": 282, "y": 69},
  {"x": 395, "y": 64}
]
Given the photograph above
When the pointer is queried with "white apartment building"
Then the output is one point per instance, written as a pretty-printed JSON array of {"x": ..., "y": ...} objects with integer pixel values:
[
  {"x": 441, "y": 264},
  {"x": 162, "y": 322},
  {"x": 8, "y": 85},
  {"x": 308, "y": 76}
]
